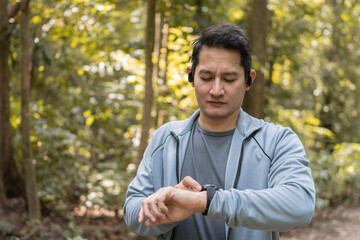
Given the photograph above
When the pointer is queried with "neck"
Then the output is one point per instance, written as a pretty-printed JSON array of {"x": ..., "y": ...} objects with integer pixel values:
[{"x": 219, "y": 124}]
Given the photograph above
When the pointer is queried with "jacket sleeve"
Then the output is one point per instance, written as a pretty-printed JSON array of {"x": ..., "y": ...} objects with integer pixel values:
[
  {"x": 141, "y": 187},
  {"x": 289, "y": 200}
]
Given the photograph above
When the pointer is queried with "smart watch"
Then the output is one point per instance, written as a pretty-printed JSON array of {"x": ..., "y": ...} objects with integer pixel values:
[{"x": 210, "y": 189}]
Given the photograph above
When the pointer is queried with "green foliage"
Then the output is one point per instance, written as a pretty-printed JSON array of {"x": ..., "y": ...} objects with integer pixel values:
[
  {"x": 337, "y": 174},
  {"x": 73, "y": 232},
  {"x": 86, "y": 92},
  {"x": 88, "y": 85},
  {"x": 312, "y": 62},
  {"x": 5, "y": 227},
  {"x": 313, "y": 89},
  {"x": 177, "y": 94}
]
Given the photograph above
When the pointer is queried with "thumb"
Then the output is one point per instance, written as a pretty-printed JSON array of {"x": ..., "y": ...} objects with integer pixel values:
[{"x": 191, "y": 183}]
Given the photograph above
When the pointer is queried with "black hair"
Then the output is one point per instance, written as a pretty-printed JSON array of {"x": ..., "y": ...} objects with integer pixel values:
[{"x": 225, "y": 36}]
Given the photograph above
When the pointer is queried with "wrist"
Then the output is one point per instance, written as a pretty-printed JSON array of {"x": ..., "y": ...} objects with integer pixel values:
[{"x": 202, "y": 201}]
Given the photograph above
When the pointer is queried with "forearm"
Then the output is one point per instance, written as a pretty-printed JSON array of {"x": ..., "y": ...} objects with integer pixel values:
[{"x": 277, "y": 209}]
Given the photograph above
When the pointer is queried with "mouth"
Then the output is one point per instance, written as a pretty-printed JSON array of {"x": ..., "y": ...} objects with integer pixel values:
[{"x": 216, "y": 103}]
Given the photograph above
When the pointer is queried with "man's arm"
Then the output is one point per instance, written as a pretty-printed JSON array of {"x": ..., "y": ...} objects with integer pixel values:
[
  {"x": 142, "y": 187},
  {"x": 288, "y": 202},
  {"x": 139, "y": 189},
  {"x": 167, "y": 206}
]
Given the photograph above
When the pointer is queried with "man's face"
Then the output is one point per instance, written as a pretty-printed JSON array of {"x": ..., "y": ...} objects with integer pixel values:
[{"x": 219, "y": 83}]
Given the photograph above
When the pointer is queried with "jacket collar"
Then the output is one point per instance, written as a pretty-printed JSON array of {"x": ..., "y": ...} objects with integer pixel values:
[
  {"x": 247, "y": 124},
  {"x": 186, "y": 125}
]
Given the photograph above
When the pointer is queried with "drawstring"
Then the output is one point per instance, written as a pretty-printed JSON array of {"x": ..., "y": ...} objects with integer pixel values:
[
  {"x": 177, "y": 155},
  {"x": 239, "y": 166}
]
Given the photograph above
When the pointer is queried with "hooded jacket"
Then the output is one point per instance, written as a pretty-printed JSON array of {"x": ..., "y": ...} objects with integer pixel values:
[{"x": 268, "y": 184}]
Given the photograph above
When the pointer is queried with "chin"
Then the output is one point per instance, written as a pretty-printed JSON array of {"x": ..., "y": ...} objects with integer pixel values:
[
  {"x": 217, "y": 114},
  {"x": 220, "y": 114}
]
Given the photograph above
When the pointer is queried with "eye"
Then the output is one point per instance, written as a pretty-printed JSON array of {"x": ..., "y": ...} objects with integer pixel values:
[
  {"x": 229, "y": 80},
  {"x": 205, "y": 78}
]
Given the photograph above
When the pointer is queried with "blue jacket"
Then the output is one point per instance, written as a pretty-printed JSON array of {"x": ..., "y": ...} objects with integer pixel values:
[{"x": 268, "y": 184}]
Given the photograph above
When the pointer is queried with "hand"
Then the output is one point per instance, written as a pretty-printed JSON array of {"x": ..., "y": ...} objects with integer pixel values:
[
  {"x": 188, "y": 183},
  {"x": 171, "y": 204}
]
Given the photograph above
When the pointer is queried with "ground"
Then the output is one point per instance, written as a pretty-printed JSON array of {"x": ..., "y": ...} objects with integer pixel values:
[{"x": 342, "y": 222}]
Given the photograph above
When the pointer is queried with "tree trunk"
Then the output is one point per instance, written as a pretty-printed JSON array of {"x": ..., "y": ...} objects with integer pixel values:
[
  {"x": 26, "y": 66},
  {"x": 166, "y": 50},
  {"x": 4, "y": 48},
  {"x": 159, "y": 21},
  {"x": 149, "y": 92},
  {"x": 10, "y": 177},
  {"x": 164, "y": 45},
  {"x": 157, "y": 45},
  {"x": 258, "y": 23}
]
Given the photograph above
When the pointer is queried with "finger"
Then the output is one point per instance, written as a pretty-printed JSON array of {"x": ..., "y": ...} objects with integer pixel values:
[
  {"x": 191, "y": 183},
  {"x": 147, "y": 211},
  {"x": 180, "y": 186},
  {"x": 162, "y": 208},
  {"x": 156, "y": 211},
  {"x": 141, "y": 215}
]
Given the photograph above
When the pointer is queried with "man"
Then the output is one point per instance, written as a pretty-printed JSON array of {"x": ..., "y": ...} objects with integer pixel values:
[{"x": 221, "y": 174}]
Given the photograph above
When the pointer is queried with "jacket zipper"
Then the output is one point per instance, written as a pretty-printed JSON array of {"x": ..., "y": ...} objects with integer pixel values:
[{"x": 237, "y": 175}]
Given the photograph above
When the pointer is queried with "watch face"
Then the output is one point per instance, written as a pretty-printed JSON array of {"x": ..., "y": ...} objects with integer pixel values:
[{"x": 210, "y": 185}]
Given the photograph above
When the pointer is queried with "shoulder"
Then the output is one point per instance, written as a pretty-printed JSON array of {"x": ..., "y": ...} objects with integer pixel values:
[
  {"x": 274, "y": 131},
  {"x": 167, "y": 131},
  {"x": 275, "y": 138},
  {"x": 179, "y": 127},
  {"x": 251, "y": 126},
  {"x": 261, "y": 128},
  {"x": 163, "y": 132}
]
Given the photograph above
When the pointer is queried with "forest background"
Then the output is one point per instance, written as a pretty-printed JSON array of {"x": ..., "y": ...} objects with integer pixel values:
[{"x": 84, "y": 83}]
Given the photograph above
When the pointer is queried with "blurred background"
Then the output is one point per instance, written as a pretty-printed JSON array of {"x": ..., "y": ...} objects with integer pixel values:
[{"x": 84, "y": 83}]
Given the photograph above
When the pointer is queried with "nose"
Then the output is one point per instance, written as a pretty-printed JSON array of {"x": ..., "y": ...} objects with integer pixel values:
[{"x": 217, "y": 89}]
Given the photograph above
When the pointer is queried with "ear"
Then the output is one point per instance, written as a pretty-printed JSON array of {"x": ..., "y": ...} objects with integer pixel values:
[{"x": 253, "y": 75}]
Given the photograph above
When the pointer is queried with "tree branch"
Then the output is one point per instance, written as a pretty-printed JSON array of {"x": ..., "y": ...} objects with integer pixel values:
[
  {"x": 13, "y": 9},
  {"x": 35, "y": 229}
]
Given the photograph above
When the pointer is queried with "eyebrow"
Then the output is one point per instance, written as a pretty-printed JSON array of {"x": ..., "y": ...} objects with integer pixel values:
[
  {"x": 202, "y": 71},
  {"x": 205, "y": 72},
  {"x": 230, "y": 74}
]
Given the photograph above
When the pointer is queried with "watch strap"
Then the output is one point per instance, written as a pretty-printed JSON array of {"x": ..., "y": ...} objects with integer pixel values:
[{"x": 210, "y": 192}]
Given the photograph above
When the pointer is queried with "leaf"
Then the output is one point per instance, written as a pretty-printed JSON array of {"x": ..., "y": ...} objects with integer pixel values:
[
  {"x": 90, "y": 120},
  {"x": 87, "y": 113}
]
